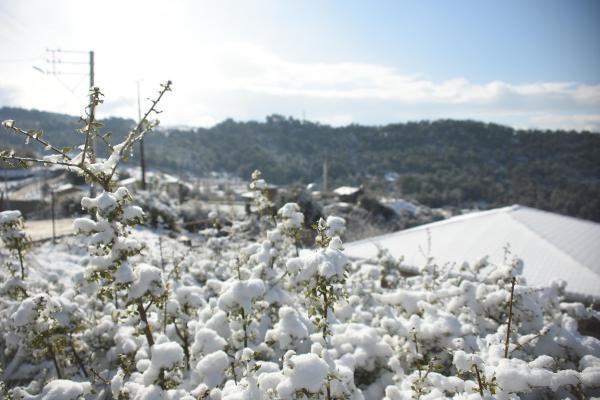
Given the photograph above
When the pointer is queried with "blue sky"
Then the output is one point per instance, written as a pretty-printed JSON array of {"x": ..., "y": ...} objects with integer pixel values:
[
  {"x": 520, "y": 63},
  {"x": 515, "y": 41}
]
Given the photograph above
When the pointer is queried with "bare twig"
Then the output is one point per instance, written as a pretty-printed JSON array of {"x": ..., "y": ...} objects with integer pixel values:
[
  {"x": 97, "y": 375},
  {"x": 89, "y": 128},
  {"x": 32, "y": 134},
  {"x": 148, "y": 306},
  {"x": 186, "y": 350},
  {"x": 35, "y": 160},
  {"x": 20, "y": 252},
  {"x": 77, "y": 358},
  {"x": 142, "y": 313},
  {"x": 54, "y": 360},
  {"x": 478, "y": 380},
  {"x": 136, "y": 134},
  {"x": 510, "y": 314},
  {"x": 278, "y": 280}
]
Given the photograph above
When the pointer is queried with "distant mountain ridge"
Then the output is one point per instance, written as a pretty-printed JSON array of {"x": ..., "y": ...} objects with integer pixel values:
[{"x": 439, "y": 163}]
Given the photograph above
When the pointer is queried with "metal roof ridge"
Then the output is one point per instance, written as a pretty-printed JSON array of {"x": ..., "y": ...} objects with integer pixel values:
[
  {"x": 518, "y": 207},
  {"x": 551, "y": 243},
  {"x": 453, "y": 219}
]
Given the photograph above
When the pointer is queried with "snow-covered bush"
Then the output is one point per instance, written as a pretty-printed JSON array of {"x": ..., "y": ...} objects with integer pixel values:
[
  {"x": 41, "y": 338},
  {"x": 109, "y": 243},
  {"x": 262, "y": 202},
  {"x": 323, "y": 274},
  {"x": 15, "y": 239},
  {"x": 291, "y": 220},
  {"x": 59, "y": 389}
]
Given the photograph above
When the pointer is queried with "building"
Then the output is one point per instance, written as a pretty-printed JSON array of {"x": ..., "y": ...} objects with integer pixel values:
[
  {"x": 348, "y": 194},
  {"x": 552, "y": 246}
]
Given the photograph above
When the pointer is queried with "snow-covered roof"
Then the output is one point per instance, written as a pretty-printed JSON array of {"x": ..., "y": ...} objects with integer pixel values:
[
  {"x": 400, "y": 204},
  {"x": 552, "y": 246},
  {"x": 67, "y": 187},
  {"x": 128, "y": 181},
  {"x": 346, "y": 190}
]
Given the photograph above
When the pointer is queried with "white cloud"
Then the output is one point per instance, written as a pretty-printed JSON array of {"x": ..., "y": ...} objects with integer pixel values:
[
  {"x": 8, "y": 94},
  {"x": 218, "y": 80},
  {"x": 253, "y": 69},
  {"x": 588, "y": 122},
  {"x": 337, "y": 120}
]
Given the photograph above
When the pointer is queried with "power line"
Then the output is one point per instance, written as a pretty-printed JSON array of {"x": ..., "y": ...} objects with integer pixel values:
[
  {"x": 54, "y": 62},
  {"x": 18, "y": 28},
  {"x": 18, "y": 60},
  {"x": 67, "y": 87}
]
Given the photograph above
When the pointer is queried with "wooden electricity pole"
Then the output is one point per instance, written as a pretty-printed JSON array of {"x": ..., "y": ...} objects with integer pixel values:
[
  {"x": 56, "y": 62},
  {"x": 325, "y": 176},
  {"x": 93, "y": 138},
  {"x": 142, "y": 159}
]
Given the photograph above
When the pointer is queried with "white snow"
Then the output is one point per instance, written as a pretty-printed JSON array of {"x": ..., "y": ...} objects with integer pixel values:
[
  {"x": 148, "y": 280},
  {"x": 327, "y": 262},
  {"x": 336, "y": 226},
  {"x": 164, "y": 356},
  {"x": 240, "y": 294},
  {"x": 304, "y": 371},
  {"x": 207, "y": 341},
  {"x": 9, "y": 216},
  {"x": 27, "y": 311},
  {"x": 59, "y": 389},
  {"x": 211, "y": 368},
  {"x": 290, "y": 328}
]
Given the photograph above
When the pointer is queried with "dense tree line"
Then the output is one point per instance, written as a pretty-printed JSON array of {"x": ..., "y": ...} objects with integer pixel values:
[{"x": 439, "y": 163}]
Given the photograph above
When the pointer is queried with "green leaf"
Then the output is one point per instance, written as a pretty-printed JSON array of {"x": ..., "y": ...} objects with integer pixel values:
[{"x": 66, "y": 149}]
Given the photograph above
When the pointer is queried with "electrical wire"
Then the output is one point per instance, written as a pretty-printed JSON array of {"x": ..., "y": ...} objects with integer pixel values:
[
  {"x": 72, "y": 91},
  {"x": 18, "y": 60},
  {"x": 17, "y": 27}
]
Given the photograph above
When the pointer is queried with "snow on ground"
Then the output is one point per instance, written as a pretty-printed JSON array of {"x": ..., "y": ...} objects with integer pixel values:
[
  {"x": 42, "y": 229},
  {"x": 62, "y": 261}
]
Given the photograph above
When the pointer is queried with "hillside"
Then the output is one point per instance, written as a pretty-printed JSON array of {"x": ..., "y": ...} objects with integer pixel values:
[{"x": 440, "y": 163}]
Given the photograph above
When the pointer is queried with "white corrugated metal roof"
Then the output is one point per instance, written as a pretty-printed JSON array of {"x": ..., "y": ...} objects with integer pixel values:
[{"x": 552, "y": 246}]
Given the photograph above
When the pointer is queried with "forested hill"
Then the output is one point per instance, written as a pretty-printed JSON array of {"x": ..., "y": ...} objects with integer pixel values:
[{"x": 439, "y": 163}]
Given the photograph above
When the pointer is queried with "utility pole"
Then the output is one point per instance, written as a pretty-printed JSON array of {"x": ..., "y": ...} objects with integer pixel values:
[
  {"x": 5, "y": 203},
  {"x": 56, "y": 62},
  {"x": 93, "y": 159},
  {"x": 93, "y": 138},
  {"x": 142, "y": 159},
  {"x": 52, "y": 202},
  {"x": 325, "y": 176}
]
